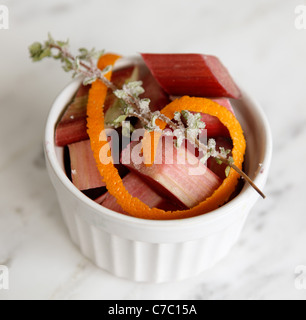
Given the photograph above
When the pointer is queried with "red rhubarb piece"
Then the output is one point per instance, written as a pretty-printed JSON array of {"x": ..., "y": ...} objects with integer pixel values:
[
  {"x": 214, "y": 126},
  {"x": 153, "y": 91},
  {"x": 189, "y": 181},
  {"x": 73, "y": 127},
  {"x": 192, "y": 74},
  {"x": 84, "y": 172},
  {"x": 137, "y": 188}
]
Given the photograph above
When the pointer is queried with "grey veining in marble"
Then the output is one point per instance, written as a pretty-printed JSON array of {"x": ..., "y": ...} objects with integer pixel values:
[{"x": 262, "y": 48}]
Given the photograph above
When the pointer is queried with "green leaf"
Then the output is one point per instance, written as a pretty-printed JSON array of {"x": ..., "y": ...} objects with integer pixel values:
[
  {"x": 224, "y": 153},
  {"x": 98, "y": 54},
  {"x": 77, "y": 63},
  {"x": 36, "y": 50},
  {"x": 153, "y": 120},
  {"x": 120, "y": 119},
  {"x": 134, "y": 88},
  {"x": 83, "y": 53},
  {"x": 127, "y": 108},
  {"x": 89, "y": 80},
  {"x": 45, "y": 53},
  {"x": 63, "y": 44},
  {"x": 218, "y": 161},
  {"x": 50, "y": 39},
  {"x": 121, "y": 94},
  {"x": 59, "y": 56},
  {"x": 107, "y": 69},
  {"x": 194, "y": 121},
  {"x": 92, "y": 54},
  {"x": 67, "y": 65},
  {"x": 227, "y": 171},
  {"x": 144, "y": 105},
  {"x": 231, "y": 160},
  {"x": 185, "y": 114},
  {"x": 35, "y": 47}
]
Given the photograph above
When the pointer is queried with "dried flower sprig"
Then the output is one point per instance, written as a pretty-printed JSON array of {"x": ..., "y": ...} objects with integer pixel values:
[
  {"x": 185, "y": 125},
  {"x": 84, "y": 63}
]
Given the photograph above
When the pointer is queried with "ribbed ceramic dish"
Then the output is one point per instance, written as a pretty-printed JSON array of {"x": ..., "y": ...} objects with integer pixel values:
[{"x": 158, "y": 251}]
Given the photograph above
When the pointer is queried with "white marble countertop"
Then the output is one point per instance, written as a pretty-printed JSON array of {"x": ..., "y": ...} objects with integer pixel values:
[{"x": 258, "y": 42}]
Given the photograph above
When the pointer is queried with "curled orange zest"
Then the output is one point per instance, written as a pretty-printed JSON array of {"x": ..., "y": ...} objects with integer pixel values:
[
  {"x": 111, "y": 177},
  {"x": 107, "y": 59},
  {"x": 95, "y": 114}
]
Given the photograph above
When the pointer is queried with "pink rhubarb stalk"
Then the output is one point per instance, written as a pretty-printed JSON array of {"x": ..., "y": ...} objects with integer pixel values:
[
  {"x": 192, "y": 74},
  {"x": 84, "y": 172},
  {"x": 137, "y": 188},
  {"x": 179, "y": 173}
]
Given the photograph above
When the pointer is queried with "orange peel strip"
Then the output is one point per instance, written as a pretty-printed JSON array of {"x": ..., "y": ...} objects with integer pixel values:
[
  {"x": 107, "y": 59},
  {"x": 95, "y": 114},
  {"x": 111, "y": 177}
]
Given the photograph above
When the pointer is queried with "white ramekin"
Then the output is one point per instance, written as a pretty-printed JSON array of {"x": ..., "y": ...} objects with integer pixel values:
[{"x": 158, "y": 251}]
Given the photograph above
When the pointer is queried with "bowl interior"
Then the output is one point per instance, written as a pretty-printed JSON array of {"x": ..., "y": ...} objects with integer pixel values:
[{"x": 248, "y": 112}]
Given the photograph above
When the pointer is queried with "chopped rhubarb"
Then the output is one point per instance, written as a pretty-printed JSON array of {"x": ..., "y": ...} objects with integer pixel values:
[
  {"x": 84, "y": 172},
  {"x": 214, "y": 126},
  {"x": 153, "y": 91},
  {"x": 180, "y": 172},
  {"x": 219, "y": 169},
  {"x": 72, "y": 127},
  {"x": 192, "y": 74},
  {"x": 137, "y": 188}
]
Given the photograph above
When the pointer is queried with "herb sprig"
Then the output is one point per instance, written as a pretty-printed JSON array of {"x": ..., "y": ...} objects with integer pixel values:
[{"x": 184, "y": 126}]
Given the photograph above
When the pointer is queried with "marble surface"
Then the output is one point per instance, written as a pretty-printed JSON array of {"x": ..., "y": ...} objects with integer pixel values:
[{"x": 258, "y": 42}]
